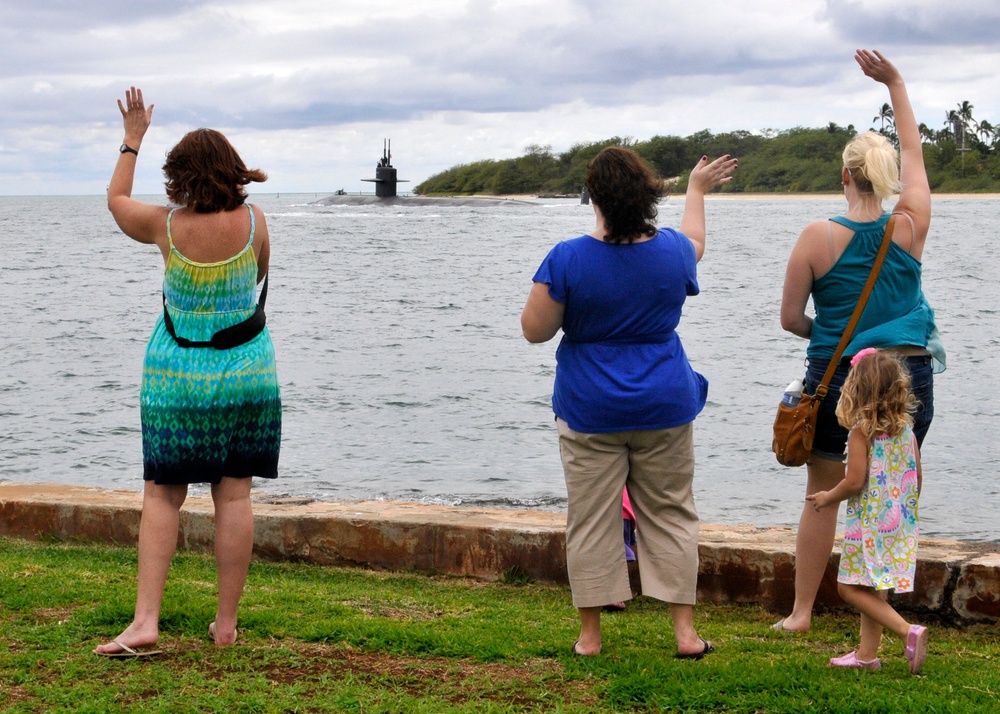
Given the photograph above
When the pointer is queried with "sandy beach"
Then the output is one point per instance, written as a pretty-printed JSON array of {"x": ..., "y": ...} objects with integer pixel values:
[
  {"x": 813, "y": 196},
  {"x": 754, "y": 196}
]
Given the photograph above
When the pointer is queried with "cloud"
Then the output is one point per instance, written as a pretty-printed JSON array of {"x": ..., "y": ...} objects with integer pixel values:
[
  {"x": 967, "y": 23},
  {"x": 507, "y": 73}
]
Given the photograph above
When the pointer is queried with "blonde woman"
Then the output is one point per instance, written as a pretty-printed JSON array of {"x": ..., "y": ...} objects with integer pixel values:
[{"x": 830, "y": 262}]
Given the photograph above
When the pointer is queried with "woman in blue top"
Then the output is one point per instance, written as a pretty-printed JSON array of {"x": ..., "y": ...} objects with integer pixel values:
[
  {"x": 830, "y": 262},
  {"x": 625, "y": 395}
]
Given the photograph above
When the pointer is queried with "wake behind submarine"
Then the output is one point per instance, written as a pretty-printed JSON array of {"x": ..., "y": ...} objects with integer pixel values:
[{"x": 385, "y": 191}]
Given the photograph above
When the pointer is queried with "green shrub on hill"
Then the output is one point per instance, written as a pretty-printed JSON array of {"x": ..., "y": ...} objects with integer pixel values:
[{"x": 797, "y": 160}]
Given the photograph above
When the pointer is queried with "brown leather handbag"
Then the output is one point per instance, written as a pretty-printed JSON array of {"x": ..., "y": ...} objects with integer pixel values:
[{"x": 795, "y": 425}]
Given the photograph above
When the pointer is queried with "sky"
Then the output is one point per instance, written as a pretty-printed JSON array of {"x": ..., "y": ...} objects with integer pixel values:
[{"x": 308, "y": 89}]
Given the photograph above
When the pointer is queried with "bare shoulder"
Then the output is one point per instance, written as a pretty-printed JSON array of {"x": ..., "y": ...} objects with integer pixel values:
[
  {"x": 813, "y": 237},
  {"x": 815, "y": 230},
  {"x": 143, "y": 222},
  {"x": 261, "y": 222},
  {"x": 258, "y": 212},
  {"x": 910, "y": 231}
]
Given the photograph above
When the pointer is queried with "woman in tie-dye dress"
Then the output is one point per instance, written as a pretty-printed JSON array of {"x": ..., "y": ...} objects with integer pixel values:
[
  {"x": 881, "y": 484},
  {"x": 211, "y": 409}
]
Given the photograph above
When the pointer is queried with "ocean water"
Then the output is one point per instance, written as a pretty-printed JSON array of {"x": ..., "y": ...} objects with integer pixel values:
[{"x": 404, "y": 374}]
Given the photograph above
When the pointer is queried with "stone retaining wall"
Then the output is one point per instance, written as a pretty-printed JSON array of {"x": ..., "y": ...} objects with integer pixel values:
[{"x": 956, "y": 580}]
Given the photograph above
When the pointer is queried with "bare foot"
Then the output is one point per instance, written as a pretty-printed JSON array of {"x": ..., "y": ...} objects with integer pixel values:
[
  {"x": 579, "y": 649},
  {"x": 134, "y": 637},
  {"x": 787, "y": 625},
  {"x": 221, "y": 639},
  {"x": 694, "y": 649}
]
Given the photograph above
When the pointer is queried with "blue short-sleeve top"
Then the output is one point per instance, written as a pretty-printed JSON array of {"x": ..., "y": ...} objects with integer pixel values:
[{"x": 620, "y": 365}]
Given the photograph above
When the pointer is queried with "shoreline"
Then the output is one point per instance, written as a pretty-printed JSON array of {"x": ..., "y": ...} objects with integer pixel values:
[{"x": 727, "y": 196}]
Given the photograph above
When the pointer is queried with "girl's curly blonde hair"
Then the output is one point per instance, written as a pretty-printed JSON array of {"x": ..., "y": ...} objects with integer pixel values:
[{"x": 876, "y": 396}]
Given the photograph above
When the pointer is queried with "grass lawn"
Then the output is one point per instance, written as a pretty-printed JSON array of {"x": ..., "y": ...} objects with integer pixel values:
[{"x": 321, "y": 639}]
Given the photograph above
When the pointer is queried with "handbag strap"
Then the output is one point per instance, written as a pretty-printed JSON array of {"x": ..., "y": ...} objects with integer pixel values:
[
  {"x": 866, "y": 292},
  {"x": 257, "y": 320}
]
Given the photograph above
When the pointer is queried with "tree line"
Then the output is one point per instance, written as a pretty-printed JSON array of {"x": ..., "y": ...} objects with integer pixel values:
[{"x": 961, "y": 157}]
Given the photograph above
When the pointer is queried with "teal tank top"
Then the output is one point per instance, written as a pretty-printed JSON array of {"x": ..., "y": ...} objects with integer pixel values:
[{"x": 897, "y": 312}]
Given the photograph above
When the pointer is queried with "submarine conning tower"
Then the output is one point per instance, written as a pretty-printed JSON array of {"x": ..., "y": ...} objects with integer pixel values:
[{"x": 385, "y": 175}]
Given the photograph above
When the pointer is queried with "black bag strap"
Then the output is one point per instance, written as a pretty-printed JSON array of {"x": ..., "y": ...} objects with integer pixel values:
[
  {"x": 229, "y": 337},
  {"x": 823, "y": 387}
]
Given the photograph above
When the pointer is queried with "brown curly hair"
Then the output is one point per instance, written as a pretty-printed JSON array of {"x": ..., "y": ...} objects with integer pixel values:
[
  {"x": 205, "y": 173},
  {"x": 626, "y": 190},
  {"x": 876, "y": 396}
]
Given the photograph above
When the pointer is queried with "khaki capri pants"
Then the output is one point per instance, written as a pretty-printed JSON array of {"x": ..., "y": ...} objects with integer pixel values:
[{"x": 658, "y": 468}]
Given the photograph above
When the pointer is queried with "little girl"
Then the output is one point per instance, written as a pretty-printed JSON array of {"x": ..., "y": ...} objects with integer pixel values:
[{"x": 882, "y": 482}]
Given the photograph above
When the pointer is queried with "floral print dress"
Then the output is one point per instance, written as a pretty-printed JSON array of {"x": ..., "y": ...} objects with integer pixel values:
[{"x": 882, "y": 525}]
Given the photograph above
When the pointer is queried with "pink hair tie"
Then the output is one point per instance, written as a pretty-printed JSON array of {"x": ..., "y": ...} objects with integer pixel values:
[{"x": 862, "y": 354}]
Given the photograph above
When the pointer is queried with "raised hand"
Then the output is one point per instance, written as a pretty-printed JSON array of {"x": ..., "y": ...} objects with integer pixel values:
[
  {"x": 705, "y": 176},
  {"x": 135, "y": 116},
  {"x": 874, "y": 65}
]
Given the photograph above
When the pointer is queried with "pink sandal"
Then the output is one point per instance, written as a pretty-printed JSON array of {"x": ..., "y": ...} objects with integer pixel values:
[
  {"x": 916, "y": 647},
  {"x": 851, "y": 660}
]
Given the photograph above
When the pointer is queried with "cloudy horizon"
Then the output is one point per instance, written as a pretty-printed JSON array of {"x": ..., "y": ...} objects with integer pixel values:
[{"x": 308, "y": 90}]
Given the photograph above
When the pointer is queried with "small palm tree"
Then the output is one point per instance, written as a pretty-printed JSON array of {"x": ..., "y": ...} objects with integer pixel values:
[
  {"x": 884, "y": 114},
  {"x": 985, "y": 130},
  {"x": 965, "y": 117},
  {"x": 954, "y": 122}
]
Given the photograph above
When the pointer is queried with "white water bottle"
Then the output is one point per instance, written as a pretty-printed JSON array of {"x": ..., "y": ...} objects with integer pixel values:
[{"x": 793, "y": 393}]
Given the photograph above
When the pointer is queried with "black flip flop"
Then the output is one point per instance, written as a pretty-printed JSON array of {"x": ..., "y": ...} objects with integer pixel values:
[{"x": 708, "y": 648}]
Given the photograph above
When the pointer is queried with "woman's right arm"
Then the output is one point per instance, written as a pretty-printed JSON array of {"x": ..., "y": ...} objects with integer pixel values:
[
  {"x": 542, "y": 316},
  {"x": 799, "y": 276},
  {"x": 139, "y": 221},
  {"x": 915, "y": 195}
]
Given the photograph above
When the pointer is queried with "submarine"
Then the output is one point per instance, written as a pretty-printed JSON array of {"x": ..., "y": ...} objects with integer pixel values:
[{"x": 386, "y": 180}]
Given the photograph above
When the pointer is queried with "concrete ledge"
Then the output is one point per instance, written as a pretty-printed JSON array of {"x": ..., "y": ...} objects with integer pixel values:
[{"x": 956, "y": 580}]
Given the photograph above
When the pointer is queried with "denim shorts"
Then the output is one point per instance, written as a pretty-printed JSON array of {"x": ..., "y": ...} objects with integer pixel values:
[{"x": 831, "y": 437}]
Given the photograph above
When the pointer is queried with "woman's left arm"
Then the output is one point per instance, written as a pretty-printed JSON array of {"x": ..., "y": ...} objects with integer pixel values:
[
  {"x": 262, "y": 243},
  {"x": 542, "y": 316},
  {"x": 704, "y": 177},
  {"x": 140, "y": 221},
  {"x": 915, "y": 194}
]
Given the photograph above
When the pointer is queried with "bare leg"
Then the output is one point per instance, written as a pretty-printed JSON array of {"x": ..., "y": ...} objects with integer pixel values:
[
  {"x": 688, "y": 641},
  {"x": 813, "y": 543},
  {"x": 233, "y": 548},
  {"x": 157, "y": 543},
  {"x": 871, "y": 630},
  {"x": 880, "y": 614},
  {"x": 590, "y": 631}
]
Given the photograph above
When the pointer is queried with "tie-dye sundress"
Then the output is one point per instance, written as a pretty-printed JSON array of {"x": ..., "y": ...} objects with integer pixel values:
[
  {"x": 209, "y": 413},
  {"x": 882, "y": 525}
]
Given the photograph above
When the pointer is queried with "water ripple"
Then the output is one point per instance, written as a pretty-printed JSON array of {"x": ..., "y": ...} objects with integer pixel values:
[{"x": 404, "y": 373}]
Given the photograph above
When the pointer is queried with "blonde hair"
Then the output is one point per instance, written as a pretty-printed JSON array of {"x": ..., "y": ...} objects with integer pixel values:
[
  {"x": 876, "y": 396},
  {"x": 873, "y": 163}
]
